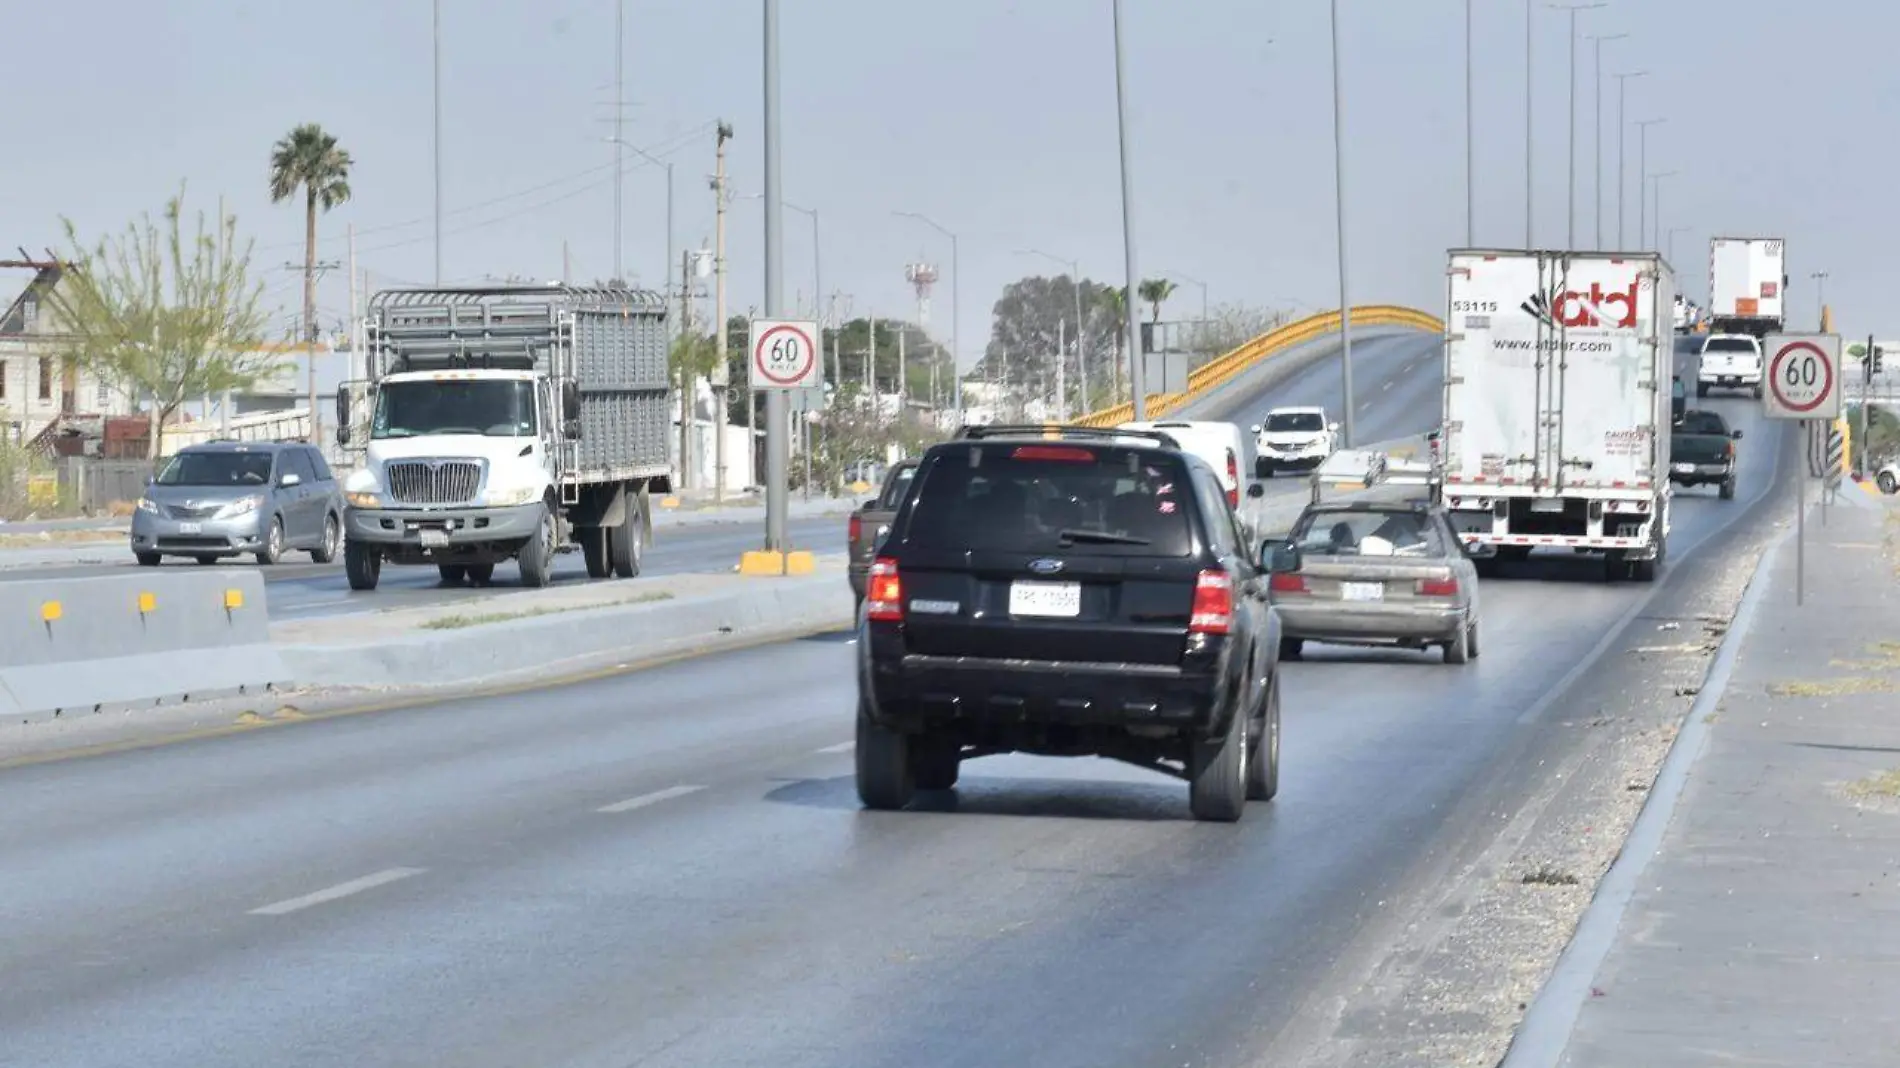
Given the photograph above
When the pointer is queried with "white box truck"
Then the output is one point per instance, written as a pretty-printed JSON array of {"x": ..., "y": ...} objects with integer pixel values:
[
  {"x": 507, "y": 422},
  {"x": 1558, "y": 369},
  {"x": 1748, "y": 285}
]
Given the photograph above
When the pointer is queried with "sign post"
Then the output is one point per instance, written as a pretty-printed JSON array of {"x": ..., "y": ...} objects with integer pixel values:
[
  {"x": 783, "y": 361},
  {"x": 1803, "y": 384}
]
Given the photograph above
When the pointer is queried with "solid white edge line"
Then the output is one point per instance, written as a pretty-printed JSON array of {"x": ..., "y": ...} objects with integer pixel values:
[
  {"x": 340, "y": 890},
  {"x": 841, "y": 747},
  {"x": 1543, "y": 1036},
  {"x": 653, "y": 798}
]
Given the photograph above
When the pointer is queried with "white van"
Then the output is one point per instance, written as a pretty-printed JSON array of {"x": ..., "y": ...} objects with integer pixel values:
[{"x": 1221, "y": 445}]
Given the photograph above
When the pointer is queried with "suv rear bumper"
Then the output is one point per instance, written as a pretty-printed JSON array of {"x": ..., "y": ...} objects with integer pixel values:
[{"x": 919, "y": 692}]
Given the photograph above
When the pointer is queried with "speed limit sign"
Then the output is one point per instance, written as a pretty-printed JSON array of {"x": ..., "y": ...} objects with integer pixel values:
[
  {"x": 784, "y": 354},
  {"x": 1802, "y": 376}
]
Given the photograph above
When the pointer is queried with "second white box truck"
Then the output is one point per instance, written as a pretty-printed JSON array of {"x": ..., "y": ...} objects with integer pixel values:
[{"x": 1558, "y": 368}]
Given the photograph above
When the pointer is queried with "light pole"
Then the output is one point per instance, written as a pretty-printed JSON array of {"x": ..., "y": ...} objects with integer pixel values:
[
  {"x": 1339, "y": 202},
  {"x": 1597, "y": 85},
  {"x": 1530, "y": 115},
  {"x": 1471, "y": 165},
  {"x": 667, "y": 274},
  {"x": 1081, "y": 333},
  {"x": 620, "y": 145},
  {"x": 1571, "y": 239},
  {"x": 436, "y": 42},
  {"x": 1642, "y": 177},
  {"x": 1656, "y": 225},
  {"x": 1820, "y": 288},
  {"x": 956, "y": 367},
  {"x": 1622, "y": 128},
  {"x": 777, "y": 401},
  {"x": 1138, "y": 367}
]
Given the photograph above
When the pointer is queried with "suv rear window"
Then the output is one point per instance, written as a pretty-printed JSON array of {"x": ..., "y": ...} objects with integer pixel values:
[
  {"x": 1729, "y": 344},
  {"x": 1052, "y": 498}
]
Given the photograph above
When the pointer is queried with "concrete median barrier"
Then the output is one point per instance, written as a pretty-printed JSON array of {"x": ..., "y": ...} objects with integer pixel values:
[
  {"x": 79, "y": 645},
  {"x": 561, "y": 631}
]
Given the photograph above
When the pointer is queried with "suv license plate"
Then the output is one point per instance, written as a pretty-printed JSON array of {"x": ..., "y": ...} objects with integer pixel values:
[
  {"x": 1685, "y": 469},
  {"x": 1053, "y": 599},
  {"x": 1362, "y": 591},
  {"x": 433, "y": 538}
]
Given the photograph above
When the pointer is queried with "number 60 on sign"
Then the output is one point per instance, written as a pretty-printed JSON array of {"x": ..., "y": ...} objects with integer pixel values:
[
  {"x": 784, "y": 354},
  {"x": 1801, "y": 378}
]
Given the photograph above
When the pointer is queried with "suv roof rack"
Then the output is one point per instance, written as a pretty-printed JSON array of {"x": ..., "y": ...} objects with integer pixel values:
[{"x": 1058, "y": 432}]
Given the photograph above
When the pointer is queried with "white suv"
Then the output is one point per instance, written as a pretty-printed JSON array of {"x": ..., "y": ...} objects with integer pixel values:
[
  {"x": 1729, "y": 361},
  {"x": 1292, "y": 438}
]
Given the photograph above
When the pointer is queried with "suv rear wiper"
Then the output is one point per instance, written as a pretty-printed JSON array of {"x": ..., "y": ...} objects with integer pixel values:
[{"x": 1101, "y": 537}]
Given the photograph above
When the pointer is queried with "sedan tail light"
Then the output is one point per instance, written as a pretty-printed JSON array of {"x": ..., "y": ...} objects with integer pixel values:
[
  {"x": 1213, "y": 604},
  {"x": 884, "y": 595},
  {"x": 1286, "y": 582},
  {"x": 1445, "y": 587}
]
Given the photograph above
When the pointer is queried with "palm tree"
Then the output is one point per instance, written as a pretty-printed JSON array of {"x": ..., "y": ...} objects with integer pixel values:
[
  {"x": 309, "y": 159},
  {"x": 1156, "y": 292},
  {"x": 1114, "y": 302}
]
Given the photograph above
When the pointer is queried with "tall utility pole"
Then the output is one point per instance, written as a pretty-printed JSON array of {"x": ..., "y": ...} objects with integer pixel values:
[
  {"x": 1597, "y": 86},
  {"x": 1137, "y": 366},
  {"x": 620, "y": 148},
  {"x": 777, "y": 404},
  {"x": 1471, "y": 164},
  {"x": 686, "y": 375},
  {"x": 721, "y": 375},
  {"x": 1339, "y": 194},
  {"x": 1656, "y": 226},
  {"x": 1642, "y": 178},
  {"x": 1530, "y": 23},
  {"x": 356, "y": 317},
  {"x": 1622, "y": 129},
  {"x": 437, "y": 52},
  {"x": 1820, "y": 296},
  {"x": 1571, "y": 238},
  {"x": 1062, "y": 381}
]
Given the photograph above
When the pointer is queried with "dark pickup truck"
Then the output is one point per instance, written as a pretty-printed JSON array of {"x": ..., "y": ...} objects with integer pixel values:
[
  {"x": 872, "y": 520},
  {"x": 1702, "y": 450}
]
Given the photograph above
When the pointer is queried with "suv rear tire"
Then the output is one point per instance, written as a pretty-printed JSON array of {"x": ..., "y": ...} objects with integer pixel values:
[
  {"x": 885, "y": 781},
  {"x": 1263, "y": 764},
  {"x": 935, "y": 763},
  {"x": 1217, "y": 784}
]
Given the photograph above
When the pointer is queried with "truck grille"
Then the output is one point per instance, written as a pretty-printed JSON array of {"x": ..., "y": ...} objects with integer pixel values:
[{"x": 433, "y": 481}]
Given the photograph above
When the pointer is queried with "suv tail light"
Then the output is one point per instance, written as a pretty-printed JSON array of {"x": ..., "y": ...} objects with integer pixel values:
[
  {"x": 1445, "y": 587},
  {"x": 1233, "y": 475},
  {"x": 1287, "y": 582},
  {"x": 855, "y": 529},
  {"x": 1213, "y": 604},
  {"x": 884, "y": 596}
]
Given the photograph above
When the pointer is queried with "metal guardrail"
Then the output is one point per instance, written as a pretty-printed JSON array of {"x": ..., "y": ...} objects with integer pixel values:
[{"x": 1223, "y": 369}]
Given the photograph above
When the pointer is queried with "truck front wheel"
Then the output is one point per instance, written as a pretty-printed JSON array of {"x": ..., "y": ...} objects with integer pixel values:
[
  {"x": 362, "y": 564},
  {"x": 536, "y": 557}
]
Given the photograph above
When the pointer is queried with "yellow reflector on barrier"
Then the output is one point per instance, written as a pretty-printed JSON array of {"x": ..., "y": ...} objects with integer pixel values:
[
  {"x": 147, "y": 602},
  {"x": 50, "y": 611},
  {"x": 233, "y": 599}
]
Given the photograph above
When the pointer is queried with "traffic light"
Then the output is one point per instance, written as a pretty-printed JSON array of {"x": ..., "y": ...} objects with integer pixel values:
[{"x": 1873, "y": 366}]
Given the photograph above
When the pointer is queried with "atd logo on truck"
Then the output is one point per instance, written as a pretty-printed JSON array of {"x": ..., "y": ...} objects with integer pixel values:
[{"x": 1592, "y": 307}]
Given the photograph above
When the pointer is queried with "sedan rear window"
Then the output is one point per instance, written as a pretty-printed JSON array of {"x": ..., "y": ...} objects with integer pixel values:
[
  {"x": 1366, "y": 533},
  {"x": 1053, "y": 498}
]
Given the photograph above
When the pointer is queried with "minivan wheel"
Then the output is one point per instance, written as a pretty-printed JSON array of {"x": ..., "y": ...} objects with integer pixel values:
[
  {"x": 883, "y": 765},
  {"x": 1263, "y": 764},
  {"x": 1217, "y": 788},
  {"x": 146, "y": 559},
  {"x": 332, "y": 535},
  {"x": 273, "y": 549}
]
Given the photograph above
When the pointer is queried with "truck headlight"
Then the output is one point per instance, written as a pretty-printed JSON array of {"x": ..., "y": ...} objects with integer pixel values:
[
  {"x": 511, "y": 497},
  {"x": 359, "y": 499}
]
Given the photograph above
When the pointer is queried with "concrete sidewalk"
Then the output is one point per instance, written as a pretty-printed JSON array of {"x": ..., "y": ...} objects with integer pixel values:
[{"x": 1765, "y": 927}]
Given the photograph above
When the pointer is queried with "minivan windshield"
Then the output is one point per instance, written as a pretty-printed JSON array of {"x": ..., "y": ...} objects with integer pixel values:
[
  {"x": 496, "y": 408},
  {"x": 1294, "y": 423},
  {"x": 216, "y": 469},
  {"x": 1053, "y": 499}
]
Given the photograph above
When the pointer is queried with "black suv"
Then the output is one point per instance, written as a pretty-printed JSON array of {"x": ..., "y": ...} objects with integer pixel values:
[{"x": 1069, "y": 592}]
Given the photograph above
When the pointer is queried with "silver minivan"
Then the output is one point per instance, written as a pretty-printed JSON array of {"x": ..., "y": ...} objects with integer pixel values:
[{"x": 232, "y": 498}]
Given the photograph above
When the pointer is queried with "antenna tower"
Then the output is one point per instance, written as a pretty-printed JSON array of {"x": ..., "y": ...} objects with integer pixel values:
[{"x": 921, "y": 277}]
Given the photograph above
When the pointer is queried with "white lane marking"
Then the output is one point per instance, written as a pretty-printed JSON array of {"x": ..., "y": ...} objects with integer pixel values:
[
  {"x": 340, "y": 890},
  {"x": 1388, "y": 385},
  {"x": 653, "y": 798},
  {"x": 841, "y": 747}
]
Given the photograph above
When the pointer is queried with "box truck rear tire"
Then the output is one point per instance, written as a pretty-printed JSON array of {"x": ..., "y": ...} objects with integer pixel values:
[
  {"x": 626, "y": 543},
  {"x": 594, "y": 551}
]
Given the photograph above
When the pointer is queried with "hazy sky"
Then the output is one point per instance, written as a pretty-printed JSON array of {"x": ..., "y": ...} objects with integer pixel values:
[{"x": 996, "y": 118}]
